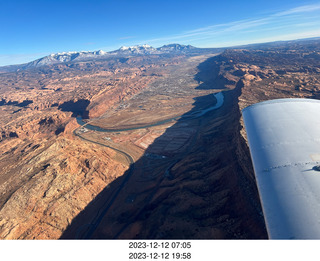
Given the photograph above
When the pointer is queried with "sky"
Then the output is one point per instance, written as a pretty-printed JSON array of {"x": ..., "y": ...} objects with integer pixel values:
[{"x": 30, "y": 29}]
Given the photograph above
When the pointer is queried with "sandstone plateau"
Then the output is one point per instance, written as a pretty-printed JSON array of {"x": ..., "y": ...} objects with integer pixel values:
[{"x": 145, "y": 165}]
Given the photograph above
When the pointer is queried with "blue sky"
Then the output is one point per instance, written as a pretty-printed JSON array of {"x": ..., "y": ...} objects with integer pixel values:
[{"x": 32, "y": 29}]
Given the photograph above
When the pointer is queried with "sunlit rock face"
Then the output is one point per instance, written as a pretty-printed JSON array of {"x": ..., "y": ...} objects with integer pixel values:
[{"x": 192, "y": 175}]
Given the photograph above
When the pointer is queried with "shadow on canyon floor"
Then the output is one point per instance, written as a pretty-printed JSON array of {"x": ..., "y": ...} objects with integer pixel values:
[
  {"x": 24, "y": 103},
  {"x": 77, "y": 108},
  {"x": 194, "y": 182}
]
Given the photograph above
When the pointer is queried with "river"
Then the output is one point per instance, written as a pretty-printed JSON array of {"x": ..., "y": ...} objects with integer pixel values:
[{"x": 219, "y": 97}]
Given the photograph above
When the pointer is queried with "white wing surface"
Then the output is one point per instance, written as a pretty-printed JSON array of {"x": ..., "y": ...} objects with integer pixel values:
[{"x": 284, "y": 141}]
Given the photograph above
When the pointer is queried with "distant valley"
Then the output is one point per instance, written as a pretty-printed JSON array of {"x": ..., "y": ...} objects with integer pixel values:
[{"x": 161, "y": 161}]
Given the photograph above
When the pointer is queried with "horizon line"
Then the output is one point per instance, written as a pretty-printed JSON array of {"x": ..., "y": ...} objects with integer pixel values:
[{"x": 206, "y": 47}]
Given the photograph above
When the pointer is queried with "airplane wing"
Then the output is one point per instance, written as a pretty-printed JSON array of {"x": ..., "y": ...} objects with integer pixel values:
[{"x": 284, "y": 142}]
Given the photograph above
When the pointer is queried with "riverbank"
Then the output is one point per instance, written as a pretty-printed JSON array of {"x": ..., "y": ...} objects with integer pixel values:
[{"x": 219, "y": 97}]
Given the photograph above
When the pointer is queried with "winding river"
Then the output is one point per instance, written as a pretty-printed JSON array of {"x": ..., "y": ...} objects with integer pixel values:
[
  {"x": 196, "y": 114},
  {"x": 102, "y": 212}
]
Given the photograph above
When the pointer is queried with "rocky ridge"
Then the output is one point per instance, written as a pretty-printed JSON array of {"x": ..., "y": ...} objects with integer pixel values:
[{"x": 47, "y": 176}]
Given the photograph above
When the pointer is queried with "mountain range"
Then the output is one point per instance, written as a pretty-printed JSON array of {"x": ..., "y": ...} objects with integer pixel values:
[
  {"x": 65, "y": 57},
  {"x": 125, "y": 51}
]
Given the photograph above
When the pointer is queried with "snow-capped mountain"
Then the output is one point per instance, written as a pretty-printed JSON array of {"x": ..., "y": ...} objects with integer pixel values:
[
  {"x": 124, "y": 51},
  {"x": 147, "y": 49},
  {"x": 176, "y": 48},
  {"x": 137, "y": 49},
  {"x": 65, "y": 57}
]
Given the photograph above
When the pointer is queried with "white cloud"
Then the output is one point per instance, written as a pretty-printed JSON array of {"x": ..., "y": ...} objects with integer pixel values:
[
  {"x": 299, "y": 22},
  {"x": 286, "y": 21},
  {"x": 300, "y": 9}
]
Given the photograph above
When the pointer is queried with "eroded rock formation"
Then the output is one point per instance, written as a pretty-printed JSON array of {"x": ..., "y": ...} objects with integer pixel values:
[{"x": 53, "y": 184}]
